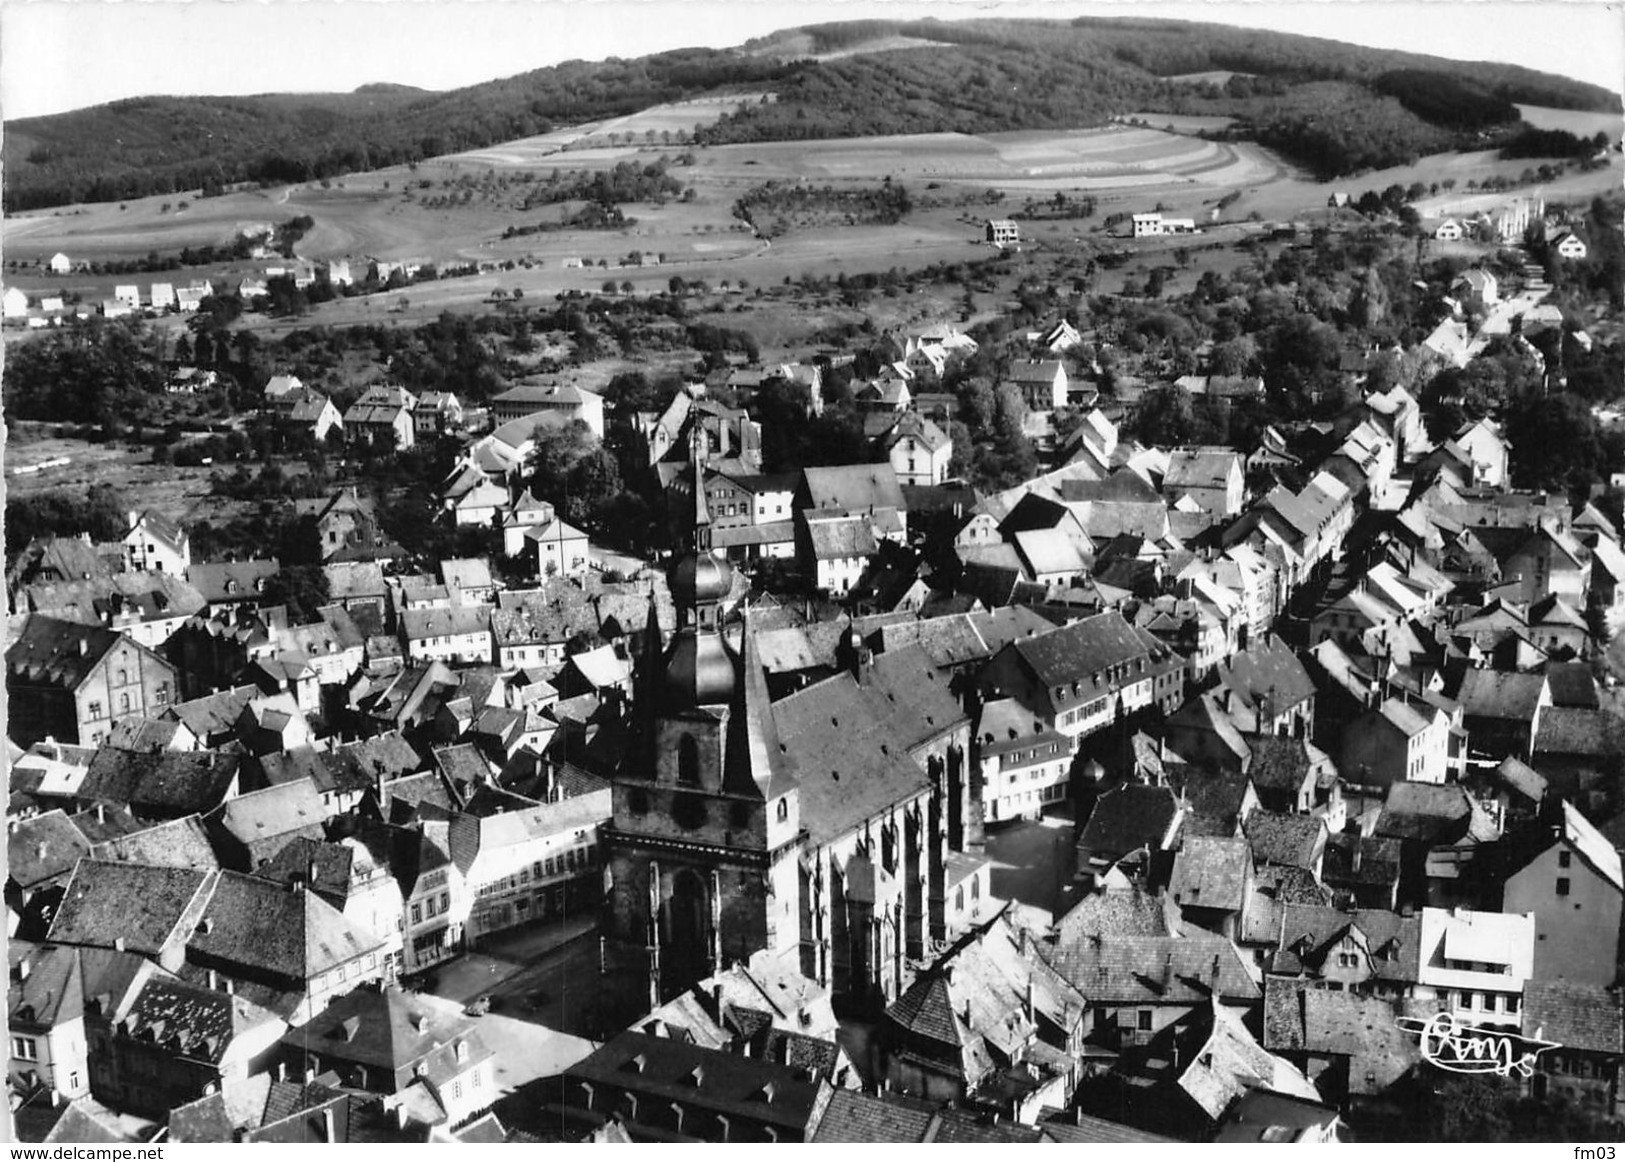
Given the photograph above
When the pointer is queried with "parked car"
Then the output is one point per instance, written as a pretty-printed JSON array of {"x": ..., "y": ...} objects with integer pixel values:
[{"x": 479, "y": 1006}]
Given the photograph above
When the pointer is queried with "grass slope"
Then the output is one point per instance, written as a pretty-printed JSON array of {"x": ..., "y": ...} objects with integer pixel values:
[{"x": 855, "y": 79}]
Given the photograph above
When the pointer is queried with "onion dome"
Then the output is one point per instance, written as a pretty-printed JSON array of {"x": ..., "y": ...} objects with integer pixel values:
[
  {"x": 699, "y": 671},
  {"x": 700, "y": 576}
]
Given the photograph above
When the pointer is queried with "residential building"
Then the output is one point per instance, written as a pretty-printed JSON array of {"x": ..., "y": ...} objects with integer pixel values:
[
  {"x": 1568, "y": 878},
  {"x": 156, "y": 543},
  {"x": 426, "y": 1059},
  {"x": 68, "y": 682},
  {"x": 565, "y": 402}
]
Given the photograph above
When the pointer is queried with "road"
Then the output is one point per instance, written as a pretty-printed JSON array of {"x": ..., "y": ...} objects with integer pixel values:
[{"x": 1032, "y": 861}]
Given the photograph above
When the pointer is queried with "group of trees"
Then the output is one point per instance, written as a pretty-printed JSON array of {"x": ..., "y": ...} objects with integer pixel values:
[
  {"x": 772, "y": 208},
  {"x": 99, "y": 511},
  {"x": 983, "y": 75}
]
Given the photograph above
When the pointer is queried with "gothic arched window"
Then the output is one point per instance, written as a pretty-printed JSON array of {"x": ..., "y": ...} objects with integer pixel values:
[{"x": 688, "y": 761}]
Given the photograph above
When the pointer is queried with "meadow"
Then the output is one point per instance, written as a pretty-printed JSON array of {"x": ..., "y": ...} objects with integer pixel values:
[
  {"x": 420, "y": 212},
  {"x": 1572, "y": 121}
]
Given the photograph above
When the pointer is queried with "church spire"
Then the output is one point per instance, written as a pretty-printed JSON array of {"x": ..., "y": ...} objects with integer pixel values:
[
  {"x": 754, "y": 762},
  {"x": 702, "y": 515}
]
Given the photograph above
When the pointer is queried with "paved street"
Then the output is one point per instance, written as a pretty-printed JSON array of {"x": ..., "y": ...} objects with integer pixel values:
[{"x": 1032, "y": 861}]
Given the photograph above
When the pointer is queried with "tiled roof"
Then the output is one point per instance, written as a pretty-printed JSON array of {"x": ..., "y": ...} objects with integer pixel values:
[
  {"x": 214, "y": 713},
  {"x": 51, "y": 991},
  {"x": 178, "y": 843},
  {"x": 1278, "y": 764},
  {"x": 43, "y": 849},
  {"x": 148, "y": 908},
  {"x": 1294, "y": 840},
  {"x": 850, "y": 763},
  {"x": 1274, "y": 888},
  {"x": 1498, "y": 694},
  {"x": 659, "y": 1068},
  {"x": 834, "y": 540},
  {"x": 1430, "y": 812},
  {"x": 1155, "y": 970},
  {"x": 50, "y": 651},
  {"x": 852, "y": 1116},
  {"x": 257, "y": 925},
  {"x": 1583, "y": 1017},
  {"x": 204, "y": 1022},
  {"x": 394, "y": 1031},
  {"x": 137, "y": 733},
  {"x": 1129, "y": 818},
  {"x": 1319, "y": 1021},
  {"x": 1568, "y": 730},
  {"x": 1113, "y": 913},
  {"x": 854, "y": 487},
  {"x": 259, "y": 818},
  {"x": 1268, "y": 671},
  {"x": 161, "y": 782},
  {"x": 1211, "y": 872},
  {"x": 213, "y": 579}
]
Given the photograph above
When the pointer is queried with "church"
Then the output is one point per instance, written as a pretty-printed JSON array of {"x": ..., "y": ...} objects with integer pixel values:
[{"x": 817, "y": 828}]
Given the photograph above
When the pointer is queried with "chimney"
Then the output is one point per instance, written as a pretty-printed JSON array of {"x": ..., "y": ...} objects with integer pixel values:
[
  {"x": 23, "y": 968},
  {"x": 118, "y": 944},
  {"x": 214, "y": 980},
  {"x": 1214, "y": 978},
  {"x": 101, "y": 813},
  {"x": 84, "y": 647},
  {"x": 327, "y": 1125},
  {"x": 1168, "y": 971}
]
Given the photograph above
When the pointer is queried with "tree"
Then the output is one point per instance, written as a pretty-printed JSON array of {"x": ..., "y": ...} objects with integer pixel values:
[
  {"x": 575, "y": 472},
  {"x": 302, "y": 588}
]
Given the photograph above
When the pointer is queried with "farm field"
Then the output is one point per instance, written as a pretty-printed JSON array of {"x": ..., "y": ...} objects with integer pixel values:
[
  {"x": 176, "y": 492},
  {"x": 1124, "y": 167},
  {"x": 1577, "y": 123}
]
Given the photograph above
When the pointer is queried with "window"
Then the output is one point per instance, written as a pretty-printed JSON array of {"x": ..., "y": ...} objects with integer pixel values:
[
  {"x": 124, "y": 703},
  {"x": 1562, "y": 885},
  {"x": 688, "y": 761},
  {"x": 1564, "y": 858},
  {"x": 161, "y": 695},
  {"x": 417, "y": 913},
  {"x": 428, "y": 906},
  {"x": 456, "y": 1089},
  {"x": 783, "y": 811},
  {"x": 476, "y": 1078},
  {"x": 1144, "y": 1023},
  {"x": 95, "y": 709},
  {"x": 445, "y": 901},
  {"x": 25, "y": 1048}
]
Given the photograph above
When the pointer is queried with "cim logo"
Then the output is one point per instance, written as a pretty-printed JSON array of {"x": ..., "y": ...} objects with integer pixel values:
[{"x": 1459, "y": 1048}]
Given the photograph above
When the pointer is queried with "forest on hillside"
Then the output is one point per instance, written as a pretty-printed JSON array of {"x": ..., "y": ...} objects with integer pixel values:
[{"x": 982, "y": 76}]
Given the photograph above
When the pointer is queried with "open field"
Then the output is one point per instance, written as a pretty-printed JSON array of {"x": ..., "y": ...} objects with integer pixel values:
[
  {"x": 1125, "y": 168},
  {"x": 1579, "y": 124},
  {"x": 1211, "y": 77},
  {"x": 178, "y": 493},
  {"x": 1179, "y": 122}
]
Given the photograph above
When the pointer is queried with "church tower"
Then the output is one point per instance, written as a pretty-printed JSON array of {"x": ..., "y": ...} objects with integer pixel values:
[{"x": 702, "y": 850}]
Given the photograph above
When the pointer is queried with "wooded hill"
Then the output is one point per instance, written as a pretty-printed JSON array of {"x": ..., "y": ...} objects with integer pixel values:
[{"x": 969, "y": 76}]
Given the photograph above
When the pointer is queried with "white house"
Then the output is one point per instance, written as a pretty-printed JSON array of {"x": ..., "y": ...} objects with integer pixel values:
[
  {"x": 157, "y": 544},
  {"x": 60, "y": 264},
  {"x": 163, "y": 296},
  {"x": 1475, "y": 963},
  {"x": 561, "y": 548},
  {"x": 1448, "y": 231},
  {"x": 460, "y": 634},
  {"x": 841, "y": 549},
  {"x": 129, "y": 294},
  {"x": 15, "y": 303},
  {"x": 1571, "y": 246}
]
